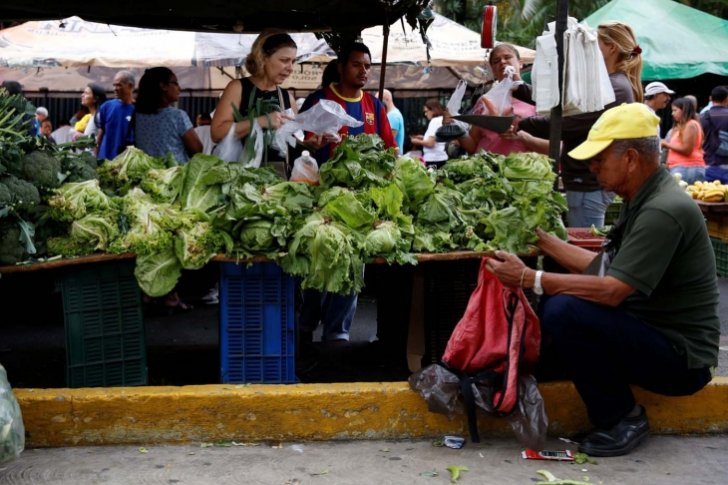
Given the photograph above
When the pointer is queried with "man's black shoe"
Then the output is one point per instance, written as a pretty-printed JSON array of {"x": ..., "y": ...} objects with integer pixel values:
[{"x": 622, "y": 438}]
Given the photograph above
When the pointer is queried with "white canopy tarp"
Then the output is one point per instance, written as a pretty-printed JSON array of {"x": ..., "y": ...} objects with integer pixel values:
[
  {"x": 74, "y": 42},
  {"x": 451, "y": 44},
  {"x": 72, "y": 52}
]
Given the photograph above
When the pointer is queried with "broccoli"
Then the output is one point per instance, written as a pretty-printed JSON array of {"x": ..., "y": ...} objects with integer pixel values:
[
  {"x": 6, "y": 198},
  {"x": 89, "y": 159},
  {"x": 42, "y": 169},
  {"x": 78, "y": 170},
  {"x": 23, "y": 195},
  {"x": 12, "y": 249}
]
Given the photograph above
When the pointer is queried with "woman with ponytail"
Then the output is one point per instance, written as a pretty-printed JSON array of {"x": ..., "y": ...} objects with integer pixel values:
[{"x": 623, "y": 58}]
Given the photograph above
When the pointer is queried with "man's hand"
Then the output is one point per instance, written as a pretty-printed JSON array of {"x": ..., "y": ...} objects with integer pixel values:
[
  {"x": 508, "y": 268},
  {"x": 317, "y": 142}
]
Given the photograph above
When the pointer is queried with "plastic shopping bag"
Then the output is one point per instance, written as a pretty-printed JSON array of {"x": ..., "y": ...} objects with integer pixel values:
[
  {"x": 230, "y": 148},
  {"x": 587, "y": 87},
  {"x": 453, "y": 105},
  {"x": 499, "y": 99},
  {"x": 450, "y": 132},
  {"x": 305, "y": 169},
  {"x": 325, "y": 118},
  {"x": 12, "y": 431}
]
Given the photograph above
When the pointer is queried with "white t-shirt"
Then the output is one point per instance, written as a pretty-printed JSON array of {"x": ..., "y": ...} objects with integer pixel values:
[{"x": 437, "y": 153}]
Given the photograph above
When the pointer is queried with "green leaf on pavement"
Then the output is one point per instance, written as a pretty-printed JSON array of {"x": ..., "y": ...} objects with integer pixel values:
[{"x": 455, "y": 472}]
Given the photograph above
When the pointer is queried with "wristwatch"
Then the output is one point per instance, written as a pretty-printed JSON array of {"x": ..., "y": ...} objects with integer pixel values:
[{"x": 537, "y": 288}]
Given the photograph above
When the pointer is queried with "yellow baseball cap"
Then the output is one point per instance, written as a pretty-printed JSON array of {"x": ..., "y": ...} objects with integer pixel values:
[{"x": 623, "y": 122}]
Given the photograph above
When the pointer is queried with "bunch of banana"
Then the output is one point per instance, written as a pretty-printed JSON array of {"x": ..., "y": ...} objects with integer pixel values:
[{"x": 708, "y": 191}]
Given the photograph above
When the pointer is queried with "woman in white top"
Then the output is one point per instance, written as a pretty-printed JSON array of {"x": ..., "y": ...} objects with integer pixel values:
[{"x": 434, "y": 152}]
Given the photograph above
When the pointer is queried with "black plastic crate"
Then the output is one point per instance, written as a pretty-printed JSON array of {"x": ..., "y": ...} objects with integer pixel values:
[
  {"x": 257, "y": 324},
  {"x": 448, "y": 286},
  {"x": 612, "y": 213},
  {"x": 104, "y": 326},
  {"x": 721, "y": 256}
]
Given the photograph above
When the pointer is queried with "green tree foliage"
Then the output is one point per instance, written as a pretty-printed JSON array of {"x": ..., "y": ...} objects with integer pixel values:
[{"x": 521, "y": 21}]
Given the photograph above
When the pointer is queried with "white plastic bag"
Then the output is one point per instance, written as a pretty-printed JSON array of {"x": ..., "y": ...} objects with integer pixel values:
[
  {"x": 454, "y": 103},
  {"x": 586, "y": 81},
  {"x": 305, "y": 169},
  {"x": 545, "y": 74},
  {"x": 500, "y": 97},
  {"x": 229, "y": 148},
  {"x": 325, "y": 118},
  {"x": 258, "y": 137},
  {"x": 12, "y": 430}
]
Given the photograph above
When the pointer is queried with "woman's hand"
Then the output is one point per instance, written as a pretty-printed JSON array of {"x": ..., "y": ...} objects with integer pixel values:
[{"x": 272, "y": 121}]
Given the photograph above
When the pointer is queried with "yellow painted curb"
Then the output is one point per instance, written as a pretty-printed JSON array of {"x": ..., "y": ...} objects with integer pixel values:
[{"x": 244, "y": 413}]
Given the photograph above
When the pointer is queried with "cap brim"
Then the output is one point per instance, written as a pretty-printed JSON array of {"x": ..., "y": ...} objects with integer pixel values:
[{"x": 589, "y": 149}]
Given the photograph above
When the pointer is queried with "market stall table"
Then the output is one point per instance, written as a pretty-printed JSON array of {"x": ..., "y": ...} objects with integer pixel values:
[
  {"x": 716, "y": 216},
  {"x": 104, "y": 329}
]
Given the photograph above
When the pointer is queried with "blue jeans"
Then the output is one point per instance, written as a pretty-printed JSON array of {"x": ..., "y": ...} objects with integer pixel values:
[
  {"x": 689, "y": 174},
  {"x": 603, "y": 350},
  {"x": 335, "y": 312},
  {"x": 717, "y": 173},
  {"x": 587, "y": 208}
]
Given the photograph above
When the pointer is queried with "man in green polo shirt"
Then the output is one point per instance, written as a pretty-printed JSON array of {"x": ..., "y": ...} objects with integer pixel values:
[{"x": 645, "y": 310}]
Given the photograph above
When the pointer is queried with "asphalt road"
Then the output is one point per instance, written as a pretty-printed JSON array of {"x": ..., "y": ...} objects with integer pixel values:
[{"x": 664, "y": 460}]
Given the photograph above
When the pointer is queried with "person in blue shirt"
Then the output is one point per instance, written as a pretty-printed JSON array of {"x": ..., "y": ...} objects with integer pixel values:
[
  {"x": 396, "y": 120},
  {"x": 114, "y": 118}
]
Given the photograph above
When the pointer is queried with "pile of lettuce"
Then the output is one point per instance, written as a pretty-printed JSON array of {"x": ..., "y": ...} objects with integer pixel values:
[{"x": 370, "y": 204}]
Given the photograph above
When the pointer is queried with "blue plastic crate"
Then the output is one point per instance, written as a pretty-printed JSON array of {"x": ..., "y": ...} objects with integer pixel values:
[
  {"x": 257, "y": 329},
  {"x": 104, "y": 325}
]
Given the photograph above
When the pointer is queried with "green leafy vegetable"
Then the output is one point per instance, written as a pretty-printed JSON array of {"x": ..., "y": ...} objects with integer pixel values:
[
  {"x": 327, "y": 255},
  {"x": 455, "y": 472},
  {"x": 202, "y": 187},
  {"x": 127, "y": 169},
  {"x": 74, "y": 200},
  {"x": 157, "y": 273},
  {"x": 164, "y": 184}
]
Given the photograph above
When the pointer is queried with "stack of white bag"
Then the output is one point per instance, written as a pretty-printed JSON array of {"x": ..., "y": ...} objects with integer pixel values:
[{"x": 586, "y": 85}]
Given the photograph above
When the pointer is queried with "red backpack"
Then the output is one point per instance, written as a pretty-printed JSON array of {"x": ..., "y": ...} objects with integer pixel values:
[{"x": 497, "y": 337}]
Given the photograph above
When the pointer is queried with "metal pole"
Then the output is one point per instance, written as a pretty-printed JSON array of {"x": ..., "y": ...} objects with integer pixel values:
[
  {"x": 383, "y": 70},
  {"x": 562, "y": 12}
]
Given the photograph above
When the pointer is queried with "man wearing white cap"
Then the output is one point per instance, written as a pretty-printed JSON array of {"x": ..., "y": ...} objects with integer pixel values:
[
  {"x": 643, "y": 311},
  {"x": 657, "y": 97}
]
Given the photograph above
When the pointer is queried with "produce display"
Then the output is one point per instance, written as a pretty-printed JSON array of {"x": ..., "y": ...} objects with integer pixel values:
[
  {"x": 30, "y": 168},
  {"x": 370, "y": 204},
  {"x": 708, "y": 191}
]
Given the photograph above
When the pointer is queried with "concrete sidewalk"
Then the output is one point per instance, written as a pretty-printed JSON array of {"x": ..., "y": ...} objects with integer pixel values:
[
  {"x": 663, "y": 460},
  {"x": 312, "y": 412}
]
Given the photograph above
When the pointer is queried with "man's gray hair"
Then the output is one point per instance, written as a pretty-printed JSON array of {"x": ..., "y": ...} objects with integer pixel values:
[
  {"x": 127, "y": 77},
  {"x": 648, "y": 148}
]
